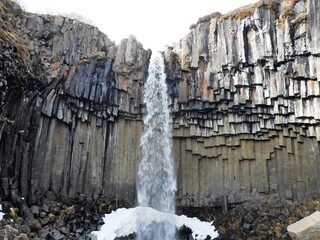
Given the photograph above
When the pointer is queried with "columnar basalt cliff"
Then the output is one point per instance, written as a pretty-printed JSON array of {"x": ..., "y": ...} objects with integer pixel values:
[
  {"x": 245, "y": 102},
  {"x": 244, "y": 97},
  {"x": 70, "y": 113}
]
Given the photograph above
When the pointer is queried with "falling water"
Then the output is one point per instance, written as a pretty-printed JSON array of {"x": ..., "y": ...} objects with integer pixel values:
[{"x": 157, "y": 180}]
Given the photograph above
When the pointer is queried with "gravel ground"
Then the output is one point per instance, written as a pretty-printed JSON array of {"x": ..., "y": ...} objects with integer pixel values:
[{"x": 75, "y": 219}]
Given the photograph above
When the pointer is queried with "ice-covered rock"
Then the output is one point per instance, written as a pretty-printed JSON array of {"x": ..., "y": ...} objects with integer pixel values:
[{"x": 124, "y": 222}]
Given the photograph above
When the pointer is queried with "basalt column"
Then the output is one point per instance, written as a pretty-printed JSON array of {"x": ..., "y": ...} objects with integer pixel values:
[
  {"x": 245, "y": 100},
  {"x": 244, "y": 95},
  {"x": 70, "y": 112}
]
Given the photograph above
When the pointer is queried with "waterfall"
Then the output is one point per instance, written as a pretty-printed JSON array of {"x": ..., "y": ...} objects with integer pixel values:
[
  {"x": 154, "y": 218},
  {"x": 156, "y": 177}
]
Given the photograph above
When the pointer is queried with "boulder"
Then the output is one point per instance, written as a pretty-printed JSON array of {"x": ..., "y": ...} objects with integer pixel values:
[
  {"x": 307, "y": 228},
  {"x": 35, "y": 25}
]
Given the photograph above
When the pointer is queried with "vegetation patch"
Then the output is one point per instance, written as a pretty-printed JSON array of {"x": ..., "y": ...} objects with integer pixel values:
[
  {"x": 206, "y": 18},
  {"x": 248, "y": 10},
  {"x": 302, "y": 17},
  {"x": 8, "y": 34},
  {"x": 282, "y": 8},
  {"x": 12, "y": 38}
]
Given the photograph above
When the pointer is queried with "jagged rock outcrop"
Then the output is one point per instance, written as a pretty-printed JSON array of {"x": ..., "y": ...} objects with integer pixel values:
[
  {"x": 245, "y": 102},
  {"x": 73, "y": 124}
]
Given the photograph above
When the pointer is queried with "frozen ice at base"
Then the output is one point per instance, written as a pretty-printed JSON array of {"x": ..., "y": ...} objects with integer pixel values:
[
  {"x": 124, "y": 222},
  {"x": 1, "y": 213}
]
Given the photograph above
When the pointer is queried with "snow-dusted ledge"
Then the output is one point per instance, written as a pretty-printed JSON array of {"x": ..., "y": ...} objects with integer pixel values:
[{"x": 123, "y": 222}]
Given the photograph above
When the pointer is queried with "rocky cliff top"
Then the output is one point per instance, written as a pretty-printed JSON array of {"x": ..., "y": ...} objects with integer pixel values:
[
  {"x": 282, "y": 8},
  {"x": 46, "y": 48}
]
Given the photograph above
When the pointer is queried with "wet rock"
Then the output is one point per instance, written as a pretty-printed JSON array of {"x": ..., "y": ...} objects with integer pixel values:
[
  {"x": 51, "y": 217},
  {"x": 6, "y": 206},
  {"x": 45, "y": 208},
  {"x": 44, "y": 233},
  {"x": 24, "y": 229},
  {"x": 246, "y": 226},
  {"x": 21, "y": 237},
  {"x": 56, "y": 235},
  {"x": 44, "y": 221},
  {"x": 248, "y": 218},
  {"x": 33, "y": 224},
  {"x": 64, "y": 230},
  {"x": 19, "y": 221},
  {"x": 184, "y": 233},
  {"x": 55, "y": 210},
  {"x": 35, "y": 210}
]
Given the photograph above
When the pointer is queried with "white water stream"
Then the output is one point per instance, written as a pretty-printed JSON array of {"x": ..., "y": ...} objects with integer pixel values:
[
  {"x": 154, "y": 219},
  {"x": 156, "y": 178}
]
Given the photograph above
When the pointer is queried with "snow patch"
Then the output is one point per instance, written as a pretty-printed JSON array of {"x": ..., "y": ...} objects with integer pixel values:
[
  {"x": 1, "y": 213},
  {"x": 123, "y": 222}
]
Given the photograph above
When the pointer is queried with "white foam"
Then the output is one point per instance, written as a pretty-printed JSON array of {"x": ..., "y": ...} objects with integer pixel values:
[
  {"x": 1, "y": 213},
  {"x": 123, "y": 222}
]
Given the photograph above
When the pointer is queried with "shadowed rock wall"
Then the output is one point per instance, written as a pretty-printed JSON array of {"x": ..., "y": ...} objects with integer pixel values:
[
  {"x": 75, "y": 128},
  {"x": 245, "y": 102}
]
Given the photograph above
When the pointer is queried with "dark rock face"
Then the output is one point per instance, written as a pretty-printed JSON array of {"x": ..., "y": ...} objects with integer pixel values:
[
  {"x": 76, "y": 218},
  {"x": 73, "y": 124},
  {"x": 259, "y": 220},
  {"x": 245, "y": 96}
]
